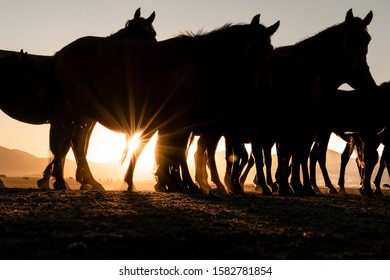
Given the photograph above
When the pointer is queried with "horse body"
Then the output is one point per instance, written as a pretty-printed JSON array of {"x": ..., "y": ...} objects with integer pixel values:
[
  {"x": 24, "y": 97},
  {"x": 154, "y": 86}
]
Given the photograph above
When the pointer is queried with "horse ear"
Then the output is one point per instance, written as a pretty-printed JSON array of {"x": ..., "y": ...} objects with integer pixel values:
[
  {"x": 349, "y": 16},
  {"x": 256, "y": 20},
  {"x": 150, "y": 19},
  {"x": 367, "y": 20},
  {"x": 272, "y": 29},
  {"x": 137, "y": 14}
]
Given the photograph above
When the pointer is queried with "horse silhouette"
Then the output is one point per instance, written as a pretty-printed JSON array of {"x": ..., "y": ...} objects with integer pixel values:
[
  {"x": 302, "y": 74},
  {"x": 173, "y": 162},
  {"x": 370, "y": 132},
  {"x": 30, "y": 94},
  {"x": 163, "y": 86}
]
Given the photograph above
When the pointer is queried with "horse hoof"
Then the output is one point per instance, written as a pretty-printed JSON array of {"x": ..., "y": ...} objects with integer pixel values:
[
  {"x": 274, "y": 187},
  {"x": 378, "y": 192},
  {"x": 159, "y": 188},
  {"x": 297, "y": 188},
  {"x": 215, "y": 193},
  {"x": 194, "y": 189},
  {"x": 285, "y": 191},
  {"x": 237, "y": 189},
  {"x": 308, "y": 191},
  {"x": 98, "y": 188},
  {"x": 61, "y": 186},
  {"x": 222, "y": 190},
  {"x": 342, "y": 191},
  {"x": 266, "y": 191},
  {"x": 316, "y": 189},
  {"x": 365, "y": 192},
  {"x": 85, "y": 187},
  {"x": 332, "y": 190},
  {"x": 43, "y": 184}
]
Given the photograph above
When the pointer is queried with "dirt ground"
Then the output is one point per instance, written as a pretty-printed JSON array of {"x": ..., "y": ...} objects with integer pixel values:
[{"x": 36, "y": 224}]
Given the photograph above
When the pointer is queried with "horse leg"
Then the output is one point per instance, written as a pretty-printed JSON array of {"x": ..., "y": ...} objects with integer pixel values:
[
  {"x": 378, "y": 177},
  {"x": 211, "y": 148},
  {"x": 318, "y": 154},
  {"x": 44, "y": 183},
  {"x": 184, "y": 145},
  {"x": 345, "y": 156},
  {"x": 250, "y": 164},
  {"x": 144, "y": 139},
  {"x": 229, "y": 163},
  {"x": 200, "y": 164},
  {"x": 268, "y": 165},
  {"x": 386, "y": 159},
  {"x": 296, "y": 163},
  {"x": 370, "y": 160},
  {"x": 313, "y": 159},
  {"x": 80, "y": 141},
  {"x": 60, "y": 145},
  {"x": 382, "y": 165},
  {"x": 2, "y": 186},
  {"x": 307, "y": 187},
  {"x": 283, "y": 170},
  {"x": 162, "y": 168},
  {"x": 257, "y": 151},
  {"x": 238, "y": 150},
  {"x": 295, "y": 175},
  {"x": 244, "y": 159}
]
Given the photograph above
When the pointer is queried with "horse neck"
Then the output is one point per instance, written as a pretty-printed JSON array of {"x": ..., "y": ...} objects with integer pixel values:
[
  {"x": 324, "y": 51},
  {"x": 5, "y": 53}
]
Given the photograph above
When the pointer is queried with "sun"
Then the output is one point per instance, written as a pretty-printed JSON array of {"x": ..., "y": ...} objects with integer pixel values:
[{"x": 108, "y": 146}]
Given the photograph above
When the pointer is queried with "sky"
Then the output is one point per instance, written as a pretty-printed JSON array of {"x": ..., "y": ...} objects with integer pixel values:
[{"x": 45, "y": 26}]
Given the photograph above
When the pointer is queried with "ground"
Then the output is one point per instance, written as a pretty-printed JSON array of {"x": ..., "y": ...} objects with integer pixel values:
[{"x": 36, "y": 224}]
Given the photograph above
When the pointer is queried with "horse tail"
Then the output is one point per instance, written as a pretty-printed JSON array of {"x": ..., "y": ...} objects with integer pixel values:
[{"x": 356, "y": 143}]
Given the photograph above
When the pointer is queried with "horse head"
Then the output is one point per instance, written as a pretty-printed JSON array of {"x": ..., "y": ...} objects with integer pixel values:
[
  {"x": 355, "y": 48},
  {"x": 138, "y": 27},
  {"x": 259, "y": 51}
]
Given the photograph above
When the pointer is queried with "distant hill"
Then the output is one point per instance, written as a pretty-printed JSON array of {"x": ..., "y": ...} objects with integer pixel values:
[{"x": 16, "y": 163}]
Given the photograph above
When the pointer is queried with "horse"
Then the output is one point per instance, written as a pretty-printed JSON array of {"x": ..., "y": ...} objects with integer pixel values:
[
  {"x": 384, "y": 161},
  {"x": 30, "y": 94},
  {"x": 310, "y": 69},
  {"x": 153, "y": 86},
  {"x": 370, "y": 132},
  {"x": 166, "y": 175},
  {"x": 318, "y": 154}
]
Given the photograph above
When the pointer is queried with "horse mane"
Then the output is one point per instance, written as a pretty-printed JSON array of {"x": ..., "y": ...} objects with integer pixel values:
[
  {"x": 199, "y": 33},
  {"x": 386, "y": 85},
  {"x": 335, "y": 31},
  {"x": 332, "y": 31}
]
